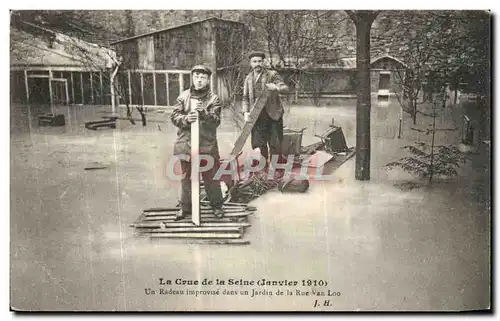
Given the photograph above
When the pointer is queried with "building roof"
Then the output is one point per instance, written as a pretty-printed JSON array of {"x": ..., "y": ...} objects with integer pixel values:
[
  {"x": 175, "y": 27},
  {"x": 388, "y": 57},
  {"x": 350, "y": 62},
  {"x": 27, "y": 49},
  {"x": 69, "y": 27}
]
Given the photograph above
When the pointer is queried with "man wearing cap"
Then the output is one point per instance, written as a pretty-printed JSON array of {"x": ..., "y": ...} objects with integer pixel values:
[
  {"x": 268, "y": 129},
  {"x": 208, "y": 109}
]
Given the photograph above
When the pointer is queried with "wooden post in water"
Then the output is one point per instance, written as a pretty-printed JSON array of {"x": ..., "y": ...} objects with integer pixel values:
[
  {"x": 26, "y": 86},
  {"x": 50, "y": 94},
  {"x": 195, "y": 166}
]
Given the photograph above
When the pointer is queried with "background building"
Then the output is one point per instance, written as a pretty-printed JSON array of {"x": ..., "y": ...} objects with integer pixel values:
[
  {"x": 47, "y": 66},
  {"x": 156, "y": 65}
]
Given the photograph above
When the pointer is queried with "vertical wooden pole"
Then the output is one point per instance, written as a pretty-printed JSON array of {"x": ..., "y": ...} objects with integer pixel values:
[
  {"x": 142, "y": 88},
  {"x": 129, "y": 88},
  {"x": 195, "y": 167},
  {"x": 66, "y": 90},
  {"x": 81, "y": 86},
  {"x": 91, "y": 89},
  {"x": 72, "y": 87},
  {"x": 219, "y": 92},
  {"x": 50, "y": 93},
  {"x": 67, "y": 98},
  {"x": 154, "y": 87},
  {"x": 166, "y": 87},
  {"x": 101, "y": 92},
  {"x": 27, "y": 86},
  {"x": 181, "y": 83},
  {"x": 112, "y": 91}
]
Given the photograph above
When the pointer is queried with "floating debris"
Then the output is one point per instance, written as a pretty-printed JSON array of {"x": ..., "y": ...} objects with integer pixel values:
[
  {"x": 408, "y": 186},
  {"x": 94, "y": 166}
]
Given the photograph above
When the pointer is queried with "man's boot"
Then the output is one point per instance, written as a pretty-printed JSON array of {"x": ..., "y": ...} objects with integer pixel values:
[
  {"x": 181, "y": 214},
  {"x": 218, "y": 212}
]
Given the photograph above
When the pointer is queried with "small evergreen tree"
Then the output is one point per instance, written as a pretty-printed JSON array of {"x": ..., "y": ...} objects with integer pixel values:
[{"x": 428, "y": 160}]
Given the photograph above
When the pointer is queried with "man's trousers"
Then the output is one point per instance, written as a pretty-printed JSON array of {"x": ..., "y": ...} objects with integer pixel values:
[
  {"x": 212, "y": 187},
  {"x": 267, "y": 135}
]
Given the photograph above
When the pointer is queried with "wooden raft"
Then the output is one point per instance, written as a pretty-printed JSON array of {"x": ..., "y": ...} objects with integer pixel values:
[
  {"x": 161, "y": 223},
  {"x": 204, "y": 227}
]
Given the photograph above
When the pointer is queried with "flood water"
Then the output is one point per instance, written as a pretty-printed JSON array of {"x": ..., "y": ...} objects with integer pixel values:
[{"x": 380, "y": 247}]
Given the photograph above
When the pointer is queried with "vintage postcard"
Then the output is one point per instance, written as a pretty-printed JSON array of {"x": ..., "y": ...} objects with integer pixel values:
[{"x": 250, "y": 160}]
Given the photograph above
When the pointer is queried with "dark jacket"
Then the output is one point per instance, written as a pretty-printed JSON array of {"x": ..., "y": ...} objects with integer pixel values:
[
  {"x": 209, "y": 121},
  {"x": 253, "y": 87}
]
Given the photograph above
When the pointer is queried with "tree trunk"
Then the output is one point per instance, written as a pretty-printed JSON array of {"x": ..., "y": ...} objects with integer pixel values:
[
  {"x": 445, "y": 97},
  {"x": 363, "y": 21},
  {"x": 414, "y": 111},
  {"x": 143, "y": 115},
  {"x": 483, "y": 131},
  {"x": 431, "y": 166}
]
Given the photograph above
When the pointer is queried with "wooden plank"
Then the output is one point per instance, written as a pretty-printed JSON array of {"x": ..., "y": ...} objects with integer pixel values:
[
  {"x": 166, "y": 88},
  {"x": 209, "y": 219},
  {"x": 203, "y": 214},
  {"x": 139, "y": 219},
  {"x": 212, "y": 219},
  {"x": 226, "y": 229},
  {"x": 92, "y": 102},
  {"x": 203, "y": 207},
  {"x": 154, "y": 88},
  {"x": 81, "y": 87},
  {"x": 167, "y": 216},
  {"x": 129, "y": 87},
  {"x": 142, "y": 88},
  {"x": 252, "y": 118},
  {"x": 66, "y": 91},
  {"x": 229, "y": 205},
  {"x": 169, "y": 220},
  {"x": 208, "y": 242},
  {"x": 50, "y": 92},
  {"x": 26, "y": 86},
  {"x": 76, "y": 69},
  {"x": 195, "y": 164},
  {"x": 202, "y": 211},
  {"x": 189, "y": 224},
  {"x": 199, "y": 235},
  {"x": 309, "y": 149},
  {"x": 72, "y": 89}
]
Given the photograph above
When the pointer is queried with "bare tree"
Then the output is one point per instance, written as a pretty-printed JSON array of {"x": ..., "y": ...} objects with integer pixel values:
[
  {"x": 91, "y": 56},
  {"x": 231, "y": 46},
  {"x": 299, "y": 39},
  {"x": 433, "y": 50}
]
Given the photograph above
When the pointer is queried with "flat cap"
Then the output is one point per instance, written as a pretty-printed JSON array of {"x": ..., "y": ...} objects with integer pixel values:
[
  {"x": 256, "y": 54},
  {"x": 201, "y": 68}
]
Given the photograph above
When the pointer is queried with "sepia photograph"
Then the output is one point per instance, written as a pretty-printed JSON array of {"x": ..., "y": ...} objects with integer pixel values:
[{"x": 250, "y": 160}]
